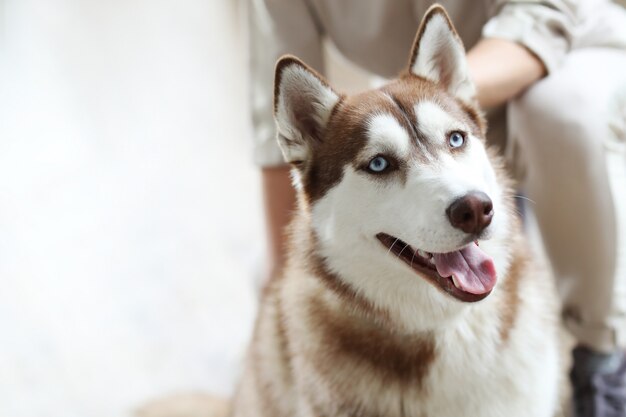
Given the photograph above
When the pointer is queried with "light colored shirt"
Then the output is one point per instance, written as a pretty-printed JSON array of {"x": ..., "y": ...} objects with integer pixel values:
[{"x": 377, "y": 35}]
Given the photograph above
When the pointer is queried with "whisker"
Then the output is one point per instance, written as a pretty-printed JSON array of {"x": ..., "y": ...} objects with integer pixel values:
[
  {"x": 522, "y": 197},
  {"x": 413, "y": 257},
  {"x": 392, "y": 245},
  {"x": 405, "y": 246}
]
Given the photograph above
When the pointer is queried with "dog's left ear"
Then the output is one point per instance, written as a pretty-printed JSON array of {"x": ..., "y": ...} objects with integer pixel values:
[
  {"x": 303, "y": 103},
  {"x": 438, "y": 55}
]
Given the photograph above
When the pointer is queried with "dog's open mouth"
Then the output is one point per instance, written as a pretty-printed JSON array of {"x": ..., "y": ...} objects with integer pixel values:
[{"x": 467, "y": 274}]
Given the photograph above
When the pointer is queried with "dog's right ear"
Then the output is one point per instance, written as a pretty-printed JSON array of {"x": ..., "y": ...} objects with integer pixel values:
[
  {"x": 303, "y": 102},
  {"x": 438, "y": 55}
]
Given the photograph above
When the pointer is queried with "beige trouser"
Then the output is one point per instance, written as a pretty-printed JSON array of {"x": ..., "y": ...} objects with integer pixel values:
[{"x": 569, "y": 131}]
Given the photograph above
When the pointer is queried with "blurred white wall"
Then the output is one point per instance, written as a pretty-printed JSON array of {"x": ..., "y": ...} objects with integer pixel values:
[{"x": 130, "y": 222}]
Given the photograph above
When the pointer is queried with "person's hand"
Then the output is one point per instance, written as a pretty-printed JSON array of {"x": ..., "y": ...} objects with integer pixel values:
[{"x": 501, "y": 70}]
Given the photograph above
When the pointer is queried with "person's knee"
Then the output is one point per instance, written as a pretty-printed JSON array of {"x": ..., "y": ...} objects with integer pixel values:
[
  {"x": 554, "y": 119},
  {"x": 553, "y": 104}
]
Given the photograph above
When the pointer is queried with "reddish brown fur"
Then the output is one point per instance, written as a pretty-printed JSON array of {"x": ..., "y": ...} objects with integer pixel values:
[
  {"x": 394, "y": 357},
  {"x": 345, "y": 136}
]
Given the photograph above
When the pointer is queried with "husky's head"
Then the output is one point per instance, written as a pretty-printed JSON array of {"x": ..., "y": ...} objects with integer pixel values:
[{"x": 403, "y": 200}]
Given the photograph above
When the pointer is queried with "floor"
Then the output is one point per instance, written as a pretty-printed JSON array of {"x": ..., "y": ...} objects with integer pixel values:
[{"x": 130, "y": 219}]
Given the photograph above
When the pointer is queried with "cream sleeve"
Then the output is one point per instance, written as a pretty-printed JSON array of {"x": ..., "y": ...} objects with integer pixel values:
[
  {"x": 546, "y": 27},
  {"x": 276, "y": 27}
]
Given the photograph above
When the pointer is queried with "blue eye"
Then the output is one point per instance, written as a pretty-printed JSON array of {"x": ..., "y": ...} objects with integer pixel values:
[
  {"x": 456, "y": 139},
  {"x": 378, "y": 164}
]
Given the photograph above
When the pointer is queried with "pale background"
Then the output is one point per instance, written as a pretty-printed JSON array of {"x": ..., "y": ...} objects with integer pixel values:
[
  {"x": 131, "y": 233},
  {"x": 130, "y": 222}
]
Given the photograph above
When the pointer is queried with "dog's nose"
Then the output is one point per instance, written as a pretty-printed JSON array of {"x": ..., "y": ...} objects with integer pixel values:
[{"x": 471, "y": 213}]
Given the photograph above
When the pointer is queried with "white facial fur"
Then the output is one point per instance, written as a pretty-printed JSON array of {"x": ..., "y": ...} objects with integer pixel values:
[
  {"x": 362, "y": 205},
  {"x": 384, "y": 132}
]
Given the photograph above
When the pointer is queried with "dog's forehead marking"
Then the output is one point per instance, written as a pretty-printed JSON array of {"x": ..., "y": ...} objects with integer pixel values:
[
  {"x": 434, "y": 122},
  {"x": 384, "y": 130}
]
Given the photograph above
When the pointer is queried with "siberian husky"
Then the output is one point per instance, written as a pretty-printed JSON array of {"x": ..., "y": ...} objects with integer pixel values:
[{"x": 409, "y": 289}]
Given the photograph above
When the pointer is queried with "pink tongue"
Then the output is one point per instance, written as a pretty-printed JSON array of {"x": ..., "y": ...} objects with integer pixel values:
[{"x": 473, "y": 269}]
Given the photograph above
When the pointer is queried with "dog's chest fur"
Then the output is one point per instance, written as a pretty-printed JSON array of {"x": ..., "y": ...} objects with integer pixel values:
[{"x": 321, "y": 350}]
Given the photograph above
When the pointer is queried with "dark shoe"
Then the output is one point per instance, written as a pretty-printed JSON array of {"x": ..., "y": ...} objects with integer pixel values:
[{"x": 596, "y": 393}]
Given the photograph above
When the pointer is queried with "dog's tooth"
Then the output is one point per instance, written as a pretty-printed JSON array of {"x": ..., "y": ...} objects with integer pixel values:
[
  {"x": 432, "y": 260},
  {"x": 456, "y": 284},
  {"x": 422, "y": 253}
]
